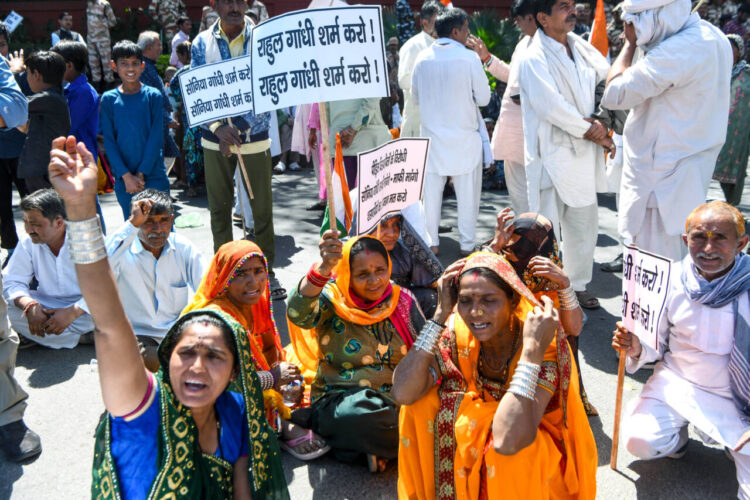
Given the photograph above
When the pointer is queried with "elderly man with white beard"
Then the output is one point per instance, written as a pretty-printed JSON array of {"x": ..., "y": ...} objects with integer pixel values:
[
  {"x": 679, "y": 96},
  {"x": 703, "y": 372}
]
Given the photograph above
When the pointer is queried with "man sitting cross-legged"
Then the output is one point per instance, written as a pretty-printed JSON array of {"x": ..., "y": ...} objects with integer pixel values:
[
  {"x": 703, "y": 350},
  {"x": 157, "y": 271},
  {"x": 40, "y": 282}
]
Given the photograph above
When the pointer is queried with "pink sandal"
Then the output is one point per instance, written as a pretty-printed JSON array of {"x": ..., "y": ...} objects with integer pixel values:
[{"x": 289, "y": 446}]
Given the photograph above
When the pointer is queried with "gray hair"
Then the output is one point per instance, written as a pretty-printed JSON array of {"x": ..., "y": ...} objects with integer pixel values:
[{"x": 147, "y": 38}]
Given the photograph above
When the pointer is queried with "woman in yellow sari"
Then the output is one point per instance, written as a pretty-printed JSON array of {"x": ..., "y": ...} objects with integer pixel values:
[
  {"x": 236, "y": 283},
  {"x": 491, "y": 402}
]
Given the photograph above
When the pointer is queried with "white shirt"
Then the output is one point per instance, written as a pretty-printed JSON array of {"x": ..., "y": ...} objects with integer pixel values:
[
  {"x": 56, "y": 275},
  {"x": 154, "y": 291},
  {"x": 694, "y": 344},
  {"x": 679, "y": 96},
  {"x": 407, "y": 59},
  {"x": 507, "y": 139},
  {"x": 180, "y": 37},
  {"x": 448, "y": 84},
  {"x": 555, "y": 152}
]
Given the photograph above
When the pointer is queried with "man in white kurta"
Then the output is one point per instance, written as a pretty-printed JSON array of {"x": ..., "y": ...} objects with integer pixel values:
[
  {"x": 679, "y": 96},
  {"x": 691, "y": 380},
  {"x": 408, "y": 58},
  {"x": 507, "y": 139},
  {"x": 448, "y": 84},
  {"x": 564, "y": 167},
  {"x": 47, "y": 313},
  {"x": 157, "y": 271}
]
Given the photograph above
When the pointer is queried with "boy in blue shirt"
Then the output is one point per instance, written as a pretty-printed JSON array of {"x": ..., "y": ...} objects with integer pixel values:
[{"x": 131, "y": 123}]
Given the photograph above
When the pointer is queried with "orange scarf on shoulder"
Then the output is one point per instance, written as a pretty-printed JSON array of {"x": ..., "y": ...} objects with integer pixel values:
[{"x": 212, "y": 293}]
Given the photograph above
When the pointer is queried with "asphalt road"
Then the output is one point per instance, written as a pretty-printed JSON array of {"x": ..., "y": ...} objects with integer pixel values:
[{"x": 65, "y": 402}]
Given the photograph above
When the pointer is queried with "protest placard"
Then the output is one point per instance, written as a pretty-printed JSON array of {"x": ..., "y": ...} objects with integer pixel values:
[
  {"x": 219, "y": 90},
  {"x": 390, "y": 178},
  {"x": 13, "y": 20},
  {"x": 319, "y": 55},
  {"x": 645, "y": 282}
]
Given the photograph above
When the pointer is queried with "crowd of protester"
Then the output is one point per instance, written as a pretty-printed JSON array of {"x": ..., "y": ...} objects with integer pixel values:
[{"x": 468, "y": 376}]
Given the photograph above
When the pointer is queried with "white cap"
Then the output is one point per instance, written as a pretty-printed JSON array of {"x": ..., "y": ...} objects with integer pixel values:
[{"x": 636, "y": 6}]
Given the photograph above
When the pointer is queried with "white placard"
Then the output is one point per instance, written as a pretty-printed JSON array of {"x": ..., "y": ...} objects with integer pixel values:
[
  {"x": 218, "y": 90},
  {"x": 13, "y": 20},
  {"x": 390, "y": 178},
  {"x": 319, "y": 55},
  {"x": 645, "y": 282}
]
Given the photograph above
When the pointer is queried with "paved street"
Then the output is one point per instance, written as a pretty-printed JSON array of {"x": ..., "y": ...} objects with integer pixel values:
[{"x": 65, "y": 402}]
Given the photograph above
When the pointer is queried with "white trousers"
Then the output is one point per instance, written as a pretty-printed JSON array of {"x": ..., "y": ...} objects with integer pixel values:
[
  {"x": 654, "y": 238},
  {"x": 577, "y": 227},
  {"x": 655, "y": 430},
  {"x": 66, "y": 340},
  {"x": 468, "y": 189},
  {"x": 515, "y": 179}
]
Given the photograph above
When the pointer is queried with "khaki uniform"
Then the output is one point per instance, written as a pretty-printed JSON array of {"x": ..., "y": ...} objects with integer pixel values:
[
  {"x": 12, "y": 397},
  {"x": 167, "y": 12},
  {"x": 99, "y": 19}
]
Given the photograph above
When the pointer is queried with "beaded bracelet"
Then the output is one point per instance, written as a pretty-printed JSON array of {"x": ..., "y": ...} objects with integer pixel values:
[
  {"x": 266, "y": 380},
  {"x": 429, "y": 336},
  {"x": 315, "y": 278},
  {"x": 85, "y": 241}
]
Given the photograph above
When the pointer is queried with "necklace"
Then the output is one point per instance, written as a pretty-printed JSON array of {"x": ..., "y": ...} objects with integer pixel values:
[{"x": 485, "y": 366}]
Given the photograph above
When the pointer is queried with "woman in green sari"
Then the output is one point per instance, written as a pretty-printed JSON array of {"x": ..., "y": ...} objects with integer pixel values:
[
  {"x": 731, "y": 166},
  {"x": 181, "y": 433}
]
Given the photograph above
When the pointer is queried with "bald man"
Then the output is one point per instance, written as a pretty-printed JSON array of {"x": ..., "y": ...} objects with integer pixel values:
[{"x": 703, "y": 370}]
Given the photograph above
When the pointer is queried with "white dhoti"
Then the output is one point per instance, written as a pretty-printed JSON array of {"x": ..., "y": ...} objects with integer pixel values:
[
  {"x": 468, "y": 189},
  {"x": 577, "y": 227},
  {"x": 515, "y": 179},
  {"x": 66, "y": 340},
  {"x": 667, "y": 404}
]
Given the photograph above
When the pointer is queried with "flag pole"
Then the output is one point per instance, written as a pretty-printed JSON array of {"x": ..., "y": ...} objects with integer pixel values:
[
  {"x": 327, "y": 164},
  {"x": 618, "y": 409}
]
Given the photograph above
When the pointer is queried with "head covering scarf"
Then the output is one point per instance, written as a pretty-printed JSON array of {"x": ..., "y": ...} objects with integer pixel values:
[
  {"x": 654, "y": 24},
  {"x": 717, "y": 293},
  {"x": 212, "y": 292},
  {"x": 458, "y": 433},
  {"x": 536, "y": 237},
  {"x": 392, "y": 305},
  {"x": 183, "y": 470}
]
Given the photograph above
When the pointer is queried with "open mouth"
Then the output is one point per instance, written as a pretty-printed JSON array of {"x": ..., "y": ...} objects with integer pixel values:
[
  {"x": 479, "y": 327},
  {"x": 194, "y": 386}
]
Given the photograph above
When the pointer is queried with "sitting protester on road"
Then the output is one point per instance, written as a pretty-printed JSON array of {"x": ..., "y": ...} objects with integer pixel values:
[{"x": 180, "y": 431}]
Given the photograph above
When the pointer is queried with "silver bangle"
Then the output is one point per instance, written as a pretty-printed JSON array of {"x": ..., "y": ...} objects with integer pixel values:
[
  {"x": 85, "y": 241},
  {"x": 429, "y": 336},
  {"x": 568, "y": 299},
  {"x": 524, "y": 380},
  {"x": 266, "y": 380},
  {"x": 434, "y": 374}
]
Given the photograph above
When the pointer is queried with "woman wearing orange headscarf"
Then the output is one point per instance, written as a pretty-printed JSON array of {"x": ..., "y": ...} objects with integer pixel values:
[
  {"x": 237, "y": 283},
  {"x": 352, "y": 332},
  {"x": 491, "y": 404}
]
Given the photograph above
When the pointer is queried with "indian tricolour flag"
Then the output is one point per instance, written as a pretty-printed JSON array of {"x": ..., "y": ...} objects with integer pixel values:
[{"x": 340, "y": 191}]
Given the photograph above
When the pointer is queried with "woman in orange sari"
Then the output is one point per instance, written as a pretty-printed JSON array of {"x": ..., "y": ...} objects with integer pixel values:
[
  {"x": 491, "y": 403},
  {"x": 237, "y": 283}
]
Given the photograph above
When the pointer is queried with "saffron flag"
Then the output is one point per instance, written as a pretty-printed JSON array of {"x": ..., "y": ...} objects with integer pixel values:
[
  {"x": 598, "y": 37},
  {"x": 340, "y": 192}
]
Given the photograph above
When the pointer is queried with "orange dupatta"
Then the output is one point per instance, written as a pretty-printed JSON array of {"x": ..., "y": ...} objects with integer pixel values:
[
  {"x": 305, "y": 342},
  {"x": 256, "y": 319}
]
